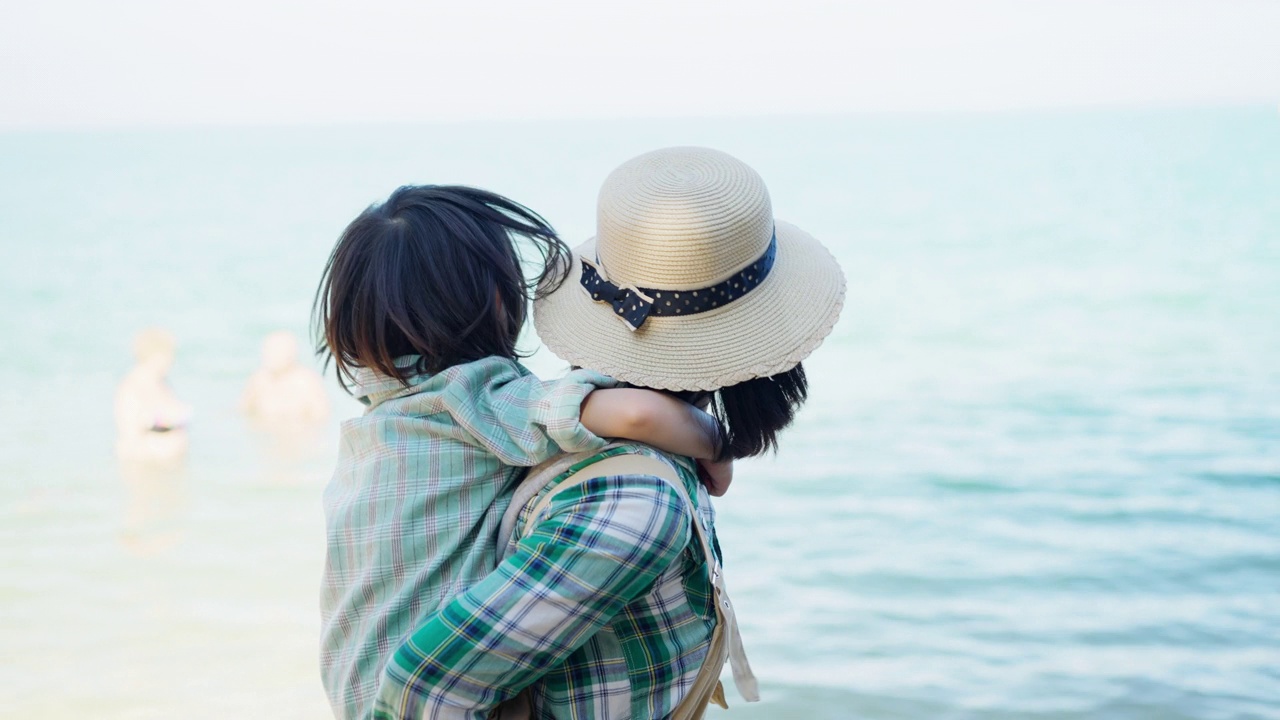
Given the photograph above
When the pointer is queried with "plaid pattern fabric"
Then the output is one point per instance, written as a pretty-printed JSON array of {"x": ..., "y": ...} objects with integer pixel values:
[
  {"x": 422, "y": 481},
  {"x": 607, "y": 603}
]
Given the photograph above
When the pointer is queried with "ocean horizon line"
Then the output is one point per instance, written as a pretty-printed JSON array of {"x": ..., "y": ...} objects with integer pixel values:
[{"x": 1042, "y": 111}]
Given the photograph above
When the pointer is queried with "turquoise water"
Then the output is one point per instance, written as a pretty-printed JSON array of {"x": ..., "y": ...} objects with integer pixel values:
[{"x": 1039, "y": 475}]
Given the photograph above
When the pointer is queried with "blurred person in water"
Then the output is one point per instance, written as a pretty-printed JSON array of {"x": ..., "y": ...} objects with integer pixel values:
[
  {"x": 283, "y": 390},
  {"x": 150, "y": 419},
  {"x": 151, "y": 444}
]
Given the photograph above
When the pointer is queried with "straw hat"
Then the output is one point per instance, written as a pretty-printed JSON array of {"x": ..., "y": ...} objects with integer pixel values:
[{"x": 690, "y": 282}]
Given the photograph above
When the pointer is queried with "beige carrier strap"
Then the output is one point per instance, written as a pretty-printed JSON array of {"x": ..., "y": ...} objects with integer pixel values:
[
  {"x": 533, "y": 483},
  {"x": 726, "y": 642}
]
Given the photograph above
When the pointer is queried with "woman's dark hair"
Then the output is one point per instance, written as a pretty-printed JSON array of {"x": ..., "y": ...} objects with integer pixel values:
[
  {"x": 752, "y": 413},
  {"x": 433, "y": 271}
]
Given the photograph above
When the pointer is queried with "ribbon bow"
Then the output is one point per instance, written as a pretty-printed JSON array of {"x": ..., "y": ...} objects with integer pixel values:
[{"x": 629, "y": 304}]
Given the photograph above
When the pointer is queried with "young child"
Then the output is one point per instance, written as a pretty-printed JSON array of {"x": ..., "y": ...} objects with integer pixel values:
[{"x": 421, "y": 304}]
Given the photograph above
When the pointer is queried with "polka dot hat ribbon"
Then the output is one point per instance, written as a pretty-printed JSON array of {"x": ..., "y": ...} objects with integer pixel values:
[{"x": 633, "y": 305}]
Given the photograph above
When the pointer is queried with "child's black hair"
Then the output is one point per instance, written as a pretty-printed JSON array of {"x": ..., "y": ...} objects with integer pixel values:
[{"x": 434, "y": 271}]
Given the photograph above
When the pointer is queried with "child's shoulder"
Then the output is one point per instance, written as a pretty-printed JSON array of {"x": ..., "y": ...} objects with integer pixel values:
[
  {"x": 474, "y": 382},
  {"x": 489, "y": 371}
]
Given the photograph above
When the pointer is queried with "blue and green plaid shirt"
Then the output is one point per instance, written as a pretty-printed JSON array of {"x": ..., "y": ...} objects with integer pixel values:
[
  {"x": 604, "y": 611},
  {"x": 413, "y": 509}
]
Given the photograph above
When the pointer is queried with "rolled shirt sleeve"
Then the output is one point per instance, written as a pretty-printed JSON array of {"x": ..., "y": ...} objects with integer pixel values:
[
  {"x": 603, "y": 544},
  {"x": 523, "y": 420},
  {"x": 559, "y": 410}
]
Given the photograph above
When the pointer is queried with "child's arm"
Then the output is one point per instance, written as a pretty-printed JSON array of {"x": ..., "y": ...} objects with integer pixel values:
[
  {"x": 515, "y": 416},
  {"x": 652, "y": 418},
  {"x": 524, "y": 421}
]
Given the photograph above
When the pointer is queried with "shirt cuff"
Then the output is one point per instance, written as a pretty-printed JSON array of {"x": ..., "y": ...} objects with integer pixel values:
[{"x": 563, "y": 410}]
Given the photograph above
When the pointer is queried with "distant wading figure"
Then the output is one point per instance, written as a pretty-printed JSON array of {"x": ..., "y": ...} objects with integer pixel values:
[
  {"x": 150, "y": 420},
  {"x": 151, "y": 444},
  {"x": 284, "y": 390}
]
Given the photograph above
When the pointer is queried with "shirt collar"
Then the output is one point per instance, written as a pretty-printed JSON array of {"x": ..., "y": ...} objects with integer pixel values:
[{"x": 373, "y": 388}]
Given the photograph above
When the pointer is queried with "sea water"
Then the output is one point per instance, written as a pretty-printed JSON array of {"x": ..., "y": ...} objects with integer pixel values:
[{"x": 1038, "y": 475}]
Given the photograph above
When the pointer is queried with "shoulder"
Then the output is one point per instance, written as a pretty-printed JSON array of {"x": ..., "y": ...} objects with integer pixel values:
[
  {"x": 459, "y": 385},
  {"x": 485, "y": 368},
  {"x": 258, "y": 379},
  {"x": 627, "y": 515},
  {"x": 487, "y": 376},
  {"x": 485, "y": 372},
  {"x": 673, "y": 468},
  {"x": 620, "y": 494}
]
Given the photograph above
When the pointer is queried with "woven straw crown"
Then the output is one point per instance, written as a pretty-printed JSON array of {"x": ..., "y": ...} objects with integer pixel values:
[
  {"x": 681, "y": 220},
  {"x": 688, "y": 219}
]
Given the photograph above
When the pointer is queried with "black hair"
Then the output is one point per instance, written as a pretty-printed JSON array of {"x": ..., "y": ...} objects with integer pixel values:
[
  {"x": 433, "y": 271},
  {"x": 751, "y": 414}
]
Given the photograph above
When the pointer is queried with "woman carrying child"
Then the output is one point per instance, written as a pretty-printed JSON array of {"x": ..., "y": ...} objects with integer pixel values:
[
  {"x": 607, "y": 599},
  {"x": 421, "y": 304}
]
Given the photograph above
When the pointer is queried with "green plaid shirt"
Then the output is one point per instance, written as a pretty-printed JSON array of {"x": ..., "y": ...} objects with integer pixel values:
[
  {"x": 413, "y": 509},
  {"x": 605, "y": 611}
]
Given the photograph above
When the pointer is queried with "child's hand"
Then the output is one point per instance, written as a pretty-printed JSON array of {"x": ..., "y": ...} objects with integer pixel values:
[{"x": 716, "y": 476}]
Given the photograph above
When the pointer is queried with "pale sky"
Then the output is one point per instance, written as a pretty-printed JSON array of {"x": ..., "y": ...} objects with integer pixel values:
[{"x": 90, "y": 63}]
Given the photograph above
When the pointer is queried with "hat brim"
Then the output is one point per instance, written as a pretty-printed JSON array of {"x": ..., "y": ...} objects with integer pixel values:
[{"x": 765, "y": 332}]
